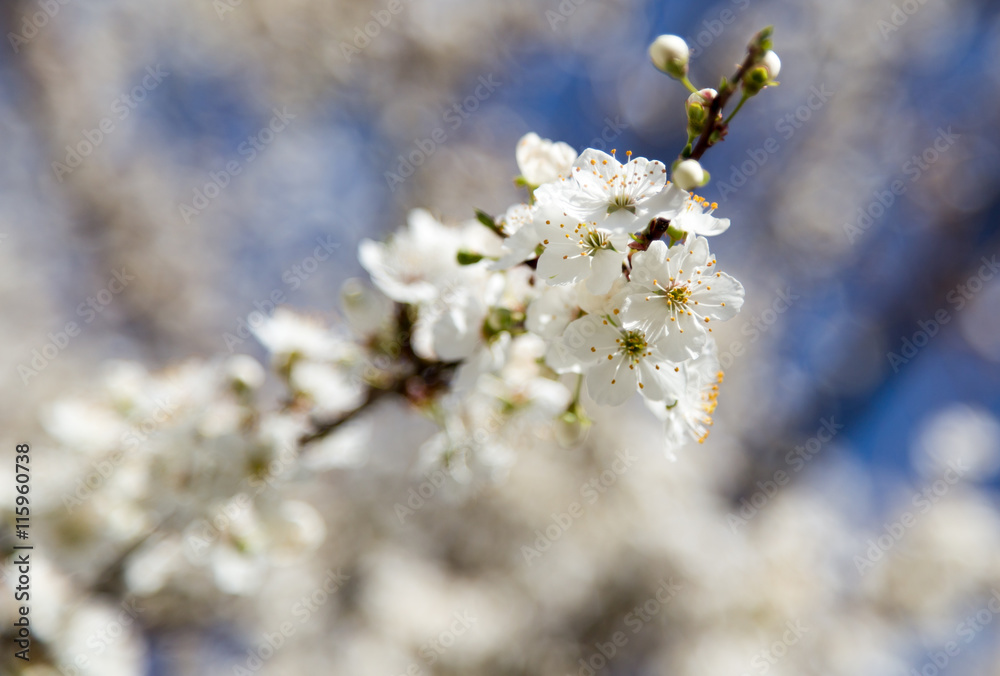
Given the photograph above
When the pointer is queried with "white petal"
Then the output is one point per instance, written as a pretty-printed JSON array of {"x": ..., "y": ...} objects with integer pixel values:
[
  {"x": 611, "y": 382},
  {"x": 719, "y": 297},
  {"x": 668, "y": 203},
  {"x": 660, "y": 381},
  {"x": 606, "y": 267},
  {"x": 562, "y": 264}
]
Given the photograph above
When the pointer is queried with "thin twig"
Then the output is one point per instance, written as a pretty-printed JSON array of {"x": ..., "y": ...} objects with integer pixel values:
[{"x": 719, "y": 103}]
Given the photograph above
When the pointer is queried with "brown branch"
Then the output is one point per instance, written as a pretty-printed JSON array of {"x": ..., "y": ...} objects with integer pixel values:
[{"x": 713, "y": 123}]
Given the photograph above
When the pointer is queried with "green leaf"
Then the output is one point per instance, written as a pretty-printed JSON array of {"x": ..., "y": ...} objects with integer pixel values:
[
  {"x": 486, "y": 219},
  {"x": 468, "y": 257}
]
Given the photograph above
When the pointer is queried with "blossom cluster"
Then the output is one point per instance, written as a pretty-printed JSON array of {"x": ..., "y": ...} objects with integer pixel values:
[{"x": 580, "y": 272}]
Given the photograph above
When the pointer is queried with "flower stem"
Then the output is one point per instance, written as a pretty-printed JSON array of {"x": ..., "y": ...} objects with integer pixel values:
[
  {"x": 726, "y": 90},
  {"x": 739, "y": 105}
]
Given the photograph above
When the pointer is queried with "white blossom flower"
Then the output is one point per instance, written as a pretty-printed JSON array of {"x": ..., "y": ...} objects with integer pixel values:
[
  {"x": 330, "y": 388},
  {"x": 458, "y": 330},
  {"x": 541, "y": 160},
  {"x": 245, "y": 371},
  {"x": 408, "y": 268},
  {"x": 366, "y": 309},
  {"x": 617, "y": 361},
  {"x": 688, "y": 415},
  {"x": 678, "y": 291},
  {"x": 551, "y": 312},
  {"x": 287, "y": 335},
  {"x": 619, "y": 197},
  {"x": 577, "y": 251},
  {"x": 522, "y": 238}
]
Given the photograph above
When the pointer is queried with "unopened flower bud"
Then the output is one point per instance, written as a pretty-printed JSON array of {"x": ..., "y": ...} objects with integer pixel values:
[
  {"x": 763, "y": 74},
  {"x": 772, "y": 63},
  {"x": 689, "y": 175},
  {"x": 697, "y": 106},
  {"x": 670, "y": 54}
]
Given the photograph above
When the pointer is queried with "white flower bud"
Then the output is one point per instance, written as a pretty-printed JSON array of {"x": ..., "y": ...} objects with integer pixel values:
[
  {"x": 772, "y": 63},
  {"x": 670, "y": 54},
  {"x": 688, "y": 175},
  {"x": 702, "y": 98}
]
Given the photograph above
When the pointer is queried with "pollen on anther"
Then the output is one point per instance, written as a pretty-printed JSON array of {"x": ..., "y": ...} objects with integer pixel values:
[
  {"x": 610, "y": 357},
  {"x": 593, "y": 349},
  {"x": 613, "y": 381},
  {"x": 545, "y": 241},
  {"x": 616, "y": 310},
  {"x": 641, "y": 386}
]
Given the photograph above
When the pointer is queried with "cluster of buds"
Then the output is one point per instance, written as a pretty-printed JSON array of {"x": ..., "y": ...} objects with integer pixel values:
[{"x": 704, "y": 107}]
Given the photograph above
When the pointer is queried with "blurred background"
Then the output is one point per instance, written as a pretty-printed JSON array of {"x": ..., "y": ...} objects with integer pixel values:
[{"x": 171, "y": 168}]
